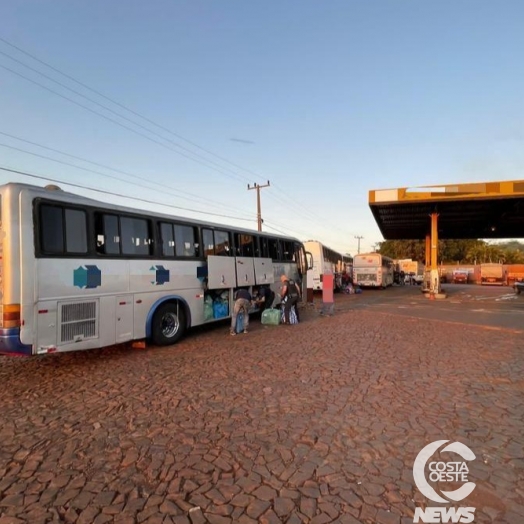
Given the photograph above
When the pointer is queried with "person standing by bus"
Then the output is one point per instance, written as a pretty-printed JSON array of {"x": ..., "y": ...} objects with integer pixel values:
[
  {"x": 289, "y": 293},
  {"x": 242, "y": 304}
]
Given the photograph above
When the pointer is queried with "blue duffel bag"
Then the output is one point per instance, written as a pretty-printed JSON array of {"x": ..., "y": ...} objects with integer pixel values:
[{"x": 220, "y": 309}]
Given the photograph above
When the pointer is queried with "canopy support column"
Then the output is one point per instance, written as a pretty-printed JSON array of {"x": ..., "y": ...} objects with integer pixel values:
[
  {"x": 434, "y": 286},
  {"x": 426, "y": 284}
]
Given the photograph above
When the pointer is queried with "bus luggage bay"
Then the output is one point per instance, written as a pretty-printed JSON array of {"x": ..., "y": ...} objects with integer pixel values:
[
  {"x": 77, "y": 274},
  {"x": 373, "y": 270}
]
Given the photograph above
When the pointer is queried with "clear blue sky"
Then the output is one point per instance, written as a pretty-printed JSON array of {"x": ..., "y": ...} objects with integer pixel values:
[{"x": 329, "y": 100}]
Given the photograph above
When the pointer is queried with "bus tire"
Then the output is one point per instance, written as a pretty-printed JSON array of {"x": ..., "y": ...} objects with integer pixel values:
[{"x": 169, "y": 324}]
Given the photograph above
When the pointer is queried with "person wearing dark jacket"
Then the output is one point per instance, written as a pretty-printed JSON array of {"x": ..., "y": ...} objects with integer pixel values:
[
  {"x": 266, "y": 298},
  {"x": 289, "y": 293}
]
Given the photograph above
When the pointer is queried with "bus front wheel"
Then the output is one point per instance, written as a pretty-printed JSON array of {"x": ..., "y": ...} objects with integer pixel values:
[{"x": 169, "y": 324}]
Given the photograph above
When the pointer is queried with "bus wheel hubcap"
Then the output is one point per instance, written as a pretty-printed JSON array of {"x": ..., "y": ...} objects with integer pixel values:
[{"x": 170, "y": 325}]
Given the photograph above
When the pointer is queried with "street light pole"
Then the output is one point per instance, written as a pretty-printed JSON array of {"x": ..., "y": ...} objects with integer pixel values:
[
  {"x": 359, "y": 239},
  {"x": 258, "y": 187}
]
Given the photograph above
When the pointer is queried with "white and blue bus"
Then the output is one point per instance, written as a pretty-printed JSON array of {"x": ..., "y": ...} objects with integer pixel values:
[{"x": 76, "y": 273}]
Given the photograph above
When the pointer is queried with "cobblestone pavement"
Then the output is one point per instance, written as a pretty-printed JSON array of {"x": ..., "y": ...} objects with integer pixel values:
[{"x": 315, "y": 423}]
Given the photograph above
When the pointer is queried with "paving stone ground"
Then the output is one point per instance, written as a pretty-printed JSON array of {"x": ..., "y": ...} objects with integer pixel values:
[{"x": 315, "y": 423}]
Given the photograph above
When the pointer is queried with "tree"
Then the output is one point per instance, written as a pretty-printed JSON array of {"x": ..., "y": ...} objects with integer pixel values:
[
  {"x": 469, "y": 251},
  {"x": 413, "y": 249}
]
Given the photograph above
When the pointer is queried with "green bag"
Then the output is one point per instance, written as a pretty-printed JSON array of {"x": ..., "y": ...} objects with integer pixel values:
[
  {"x": 208, "y": 311},
  {"x": 271, "y": 317}
]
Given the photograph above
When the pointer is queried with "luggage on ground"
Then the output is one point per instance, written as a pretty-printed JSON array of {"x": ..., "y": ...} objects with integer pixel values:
[
  {"x": 271, "y": 317},
  {"x": 292, "y": 315}
]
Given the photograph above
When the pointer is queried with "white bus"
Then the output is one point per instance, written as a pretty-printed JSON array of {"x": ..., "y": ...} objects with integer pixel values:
[
  {"x": 325, "y": 260},
  {"x": 373, "y": 270},
  {"x": 77, "y": 274}
]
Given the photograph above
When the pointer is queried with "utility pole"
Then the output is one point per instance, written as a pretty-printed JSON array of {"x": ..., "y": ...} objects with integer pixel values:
[
  {"x": 359, "y": 239},
  {"x": 258, "y": 187}
]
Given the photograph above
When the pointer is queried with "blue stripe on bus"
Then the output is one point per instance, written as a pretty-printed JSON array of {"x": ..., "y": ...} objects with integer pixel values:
[
  {"x": 10, "y": 342},
  {"x": 149, "y": 319}
]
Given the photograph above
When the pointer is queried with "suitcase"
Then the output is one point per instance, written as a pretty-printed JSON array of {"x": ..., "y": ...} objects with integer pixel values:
[
  {"x": 239, "y": 328},
  {"x": 270, "y": 317}
]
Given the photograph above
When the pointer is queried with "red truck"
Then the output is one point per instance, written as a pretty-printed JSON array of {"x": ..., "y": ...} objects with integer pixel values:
[{"x": 460, "y": 276}]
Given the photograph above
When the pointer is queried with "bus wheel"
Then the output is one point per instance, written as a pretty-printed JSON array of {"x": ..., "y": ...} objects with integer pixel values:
[{"x": 169, "y": 324}]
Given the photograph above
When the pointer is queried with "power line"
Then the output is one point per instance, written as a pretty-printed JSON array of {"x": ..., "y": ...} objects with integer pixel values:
[
  {"x": 125, "y": 118},
  {"x": 202, "y": 199},
  {"x": 111, "y": 119},
  {"x": 299, "y": 207},
  {"x": 295, "y": 232},
  {"x": 41, "y": 177},
  {"x": 275, "y": 229},
  {"x": 122, "y": 116},
  {"x": 93, "y": 171},
  {"x": 114, "y": 112},
  {"x": 124, "y": 106}
]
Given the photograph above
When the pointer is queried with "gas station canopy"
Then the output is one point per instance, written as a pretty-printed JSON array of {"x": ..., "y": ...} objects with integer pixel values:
[{"x": 482, "y": 210}]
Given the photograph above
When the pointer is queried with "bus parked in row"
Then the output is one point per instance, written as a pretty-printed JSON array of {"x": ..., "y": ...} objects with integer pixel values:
[
  {"x": 373, "y": 270},
  {"x": 76, "y": 273},
  {"x": 325, "y": 260}
]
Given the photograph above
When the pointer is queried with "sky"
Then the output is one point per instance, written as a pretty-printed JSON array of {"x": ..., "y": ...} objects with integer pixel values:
[{"x": 190, "y": 101}]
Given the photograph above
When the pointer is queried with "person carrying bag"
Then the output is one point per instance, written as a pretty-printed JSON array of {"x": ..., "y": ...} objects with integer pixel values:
[{"x": 290, "y": 294}]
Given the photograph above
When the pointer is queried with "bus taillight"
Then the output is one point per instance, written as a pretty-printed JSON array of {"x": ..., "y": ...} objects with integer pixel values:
[{"x": 11, "y": 316}]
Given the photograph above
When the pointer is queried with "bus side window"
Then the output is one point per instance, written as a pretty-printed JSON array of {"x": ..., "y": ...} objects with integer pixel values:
[
  {"x": 107, "y": 234},
  {"x": 167, "y": 240},
  {"x": 186, "y": 241},
  {"x": 287, "y": 250},
  {"x": 136, "y": 239},
  {"x": 76, "y": 231},
  {"x": 258, "y": 247},
  {"x": 208, "y": 241},
  {"x": 247, "y": 245},
  {"x": 274, "y": 251},
  {"x": 238, "y": 244},
  {"x": 264, "y": 249},
  {"x": 222, "y": 243}
]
